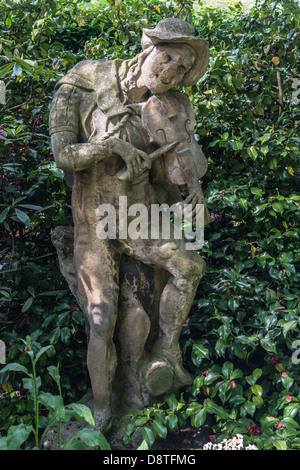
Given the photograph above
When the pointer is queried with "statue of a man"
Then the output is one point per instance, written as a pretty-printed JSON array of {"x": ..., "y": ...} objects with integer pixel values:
[{"x": 97, "y": 129}]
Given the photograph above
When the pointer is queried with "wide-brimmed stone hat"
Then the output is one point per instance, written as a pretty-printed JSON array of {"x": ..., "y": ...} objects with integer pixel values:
[{"x": 175, "y": 30}]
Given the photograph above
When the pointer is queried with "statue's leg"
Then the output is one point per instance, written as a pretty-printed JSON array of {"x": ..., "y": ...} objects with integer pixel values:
[
  {"x": 185, "y": 268},
  {"x": 133, "y": 327},
  {"x": 97, "y": 266},
  {"x": 186, "y": 271}
]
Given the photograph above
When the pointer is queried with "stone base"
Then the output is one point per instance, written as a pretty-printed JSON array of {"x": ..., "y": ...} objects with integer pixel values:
[{"x": 114, "y": 436}]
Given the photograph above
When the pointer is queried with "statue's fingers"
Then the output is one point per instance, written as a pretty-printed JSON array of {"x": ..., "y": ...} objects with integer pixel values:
[
  {"x": 189, "y": 198},
  {"x": 130, "y": 171},
  {"x": 146, "y": 159}
]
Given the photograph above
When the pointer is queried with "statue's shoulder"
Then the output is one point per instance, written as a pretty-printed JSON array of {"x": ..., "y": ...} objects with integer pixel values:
[{"x": 83, "y": 74}]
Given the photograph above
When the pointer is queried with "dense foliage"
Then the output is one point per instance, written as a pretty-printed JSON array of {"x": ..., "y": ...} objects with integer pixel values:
[{"x": 241, "y": 339}]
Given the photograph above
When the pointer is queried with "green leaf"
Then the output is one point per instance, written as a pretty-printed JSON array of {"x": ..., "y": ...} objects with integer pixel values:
[
  {"x": 237, "y": 145},
  {"x": 92, "y": 438},
  {"x": 201, "y": 351},
  {"x": 53, "y": 402},
  {"x": 27, "y": 305},
  {"x": 172, "y": 422},
  {"x": 17, "y": 70},
  {"x": 143, "y": 446},
  {"x": 248, "y": 408},
  {"x": 17, "y": 435},
  {"x": 237, "y": 373},
  {"x": 54, "y": 335},
  {"x": 172, "y": 402},
  {"x": 227, "y": 370},
  {"x": 273, "y": 163},
  {"x": 54, "y": 373},
  {"x": 233, "y": 304},
  {"x": 4, "y": 213},
  {"x": 257, "y": 390},
  {"x": 103, "y": 443},
  {"x": 258, "y": 401},
  {"x": 287, "y": 382},
  {"x": 5, "y": 69},
  {"x": 291, "y": 410},
  {"x": 211, "y": 377},
  {"x": 291, "y": 234},
  {"x": 270, "y": 296},
  {"x": 23, "y": 217},
  {"x": 65, "y": 334},
  {"x": 268, "y": 345},
  {"x": 256, "y": 191},
  {"x": 280, "y": 444},
  {"x": 290, "y": 423},
  {"x": 237, "y": 399},
  {"x": 32, "y": 206},
  {"x": 159, "y": 429},
  {"x": 278, "y": 207},
  {"x": 82, "y": 411},
  {"x": 15, "y": 367},
  {"x": 218, "y": 410},
  {"x": 289, "y": 326},
  {"x": 42, "y": 351},
  {"x": 265, "y": 137},
  {"x": 256, "y": 374},
  {"x": 199, "y": 418},
  {"x": 148, "y": 436},
  {"x": 252, "y": 152}
]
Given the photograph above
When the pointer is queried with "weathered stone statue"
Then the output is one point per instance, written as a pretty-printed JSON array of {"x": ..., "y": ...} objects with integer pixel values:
[{"x": 121, "y": 134}]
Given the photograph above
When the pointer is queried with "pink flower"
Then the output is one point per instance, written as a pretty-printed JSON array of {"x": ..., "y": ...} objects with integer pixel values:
[
  {"x": 288, "y": 398},
  {"x": 212, "y": 437},
  {"x": 205, "y": 372},
  {"x": 3, "y": 134},
  {"x": 253, "y": 429},
  {"x": 279, "y": 425},
  {"x": 233, "y": 384},
  {"x": 284, "y": 374},
  {"x": 184, "y": 192},
  {"x": 222, "y": 192},
  {"x": 216, "y": 217}
]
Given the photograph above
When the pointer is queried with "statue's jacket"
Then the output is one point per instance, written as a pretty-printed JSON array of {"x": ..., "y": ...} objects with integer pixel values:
[
  {"x": 88, "y": 97},
  {"x": 89, "y": 101}
]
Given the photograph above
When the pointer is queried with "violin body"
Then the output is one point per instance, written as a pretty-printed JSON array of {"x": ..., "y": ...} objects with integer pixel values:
[{"x": 167, "y": 118}]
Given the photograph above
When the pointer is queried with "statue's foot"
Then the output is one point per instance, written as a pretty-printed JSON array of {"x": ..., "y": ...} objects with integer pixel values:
[
  {"x": 173, "y": 357},
  {"x": 159, "y": 378},
  {"x": 103, "y": 420}
]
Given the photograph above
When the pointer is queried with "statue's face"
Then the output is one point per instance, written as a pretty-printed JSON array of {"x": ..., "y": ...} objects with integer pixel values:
[{"x": 166, "y": 66}]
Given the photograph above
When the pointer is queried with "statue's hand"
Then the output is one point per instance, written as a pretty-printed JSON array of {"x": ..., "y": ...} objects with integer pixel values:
[
  {"x": 190, "y": 203},
  {"x": 195, "y": 197},
  {"x": 136, "y": 160}
]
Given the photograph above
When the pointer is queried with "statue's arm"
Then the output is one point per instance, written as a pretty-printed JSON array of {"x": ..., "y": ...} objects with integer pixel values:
[{"x": 69, "y": 154}]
